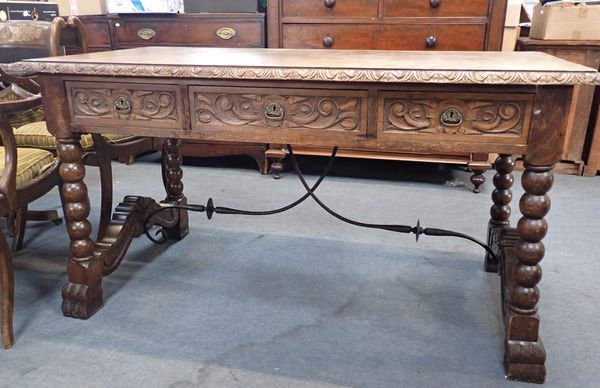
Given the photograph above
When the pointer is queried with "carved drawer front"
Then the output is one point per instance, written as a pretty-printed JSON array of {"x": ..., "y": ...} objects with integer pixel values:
[
  {"x": 433, "y": 8},
  {"x": 319, "y": 112},
  {"x": 330, "y": 8},
  {"x": 493, "y": 118},
  {"x": 138, "y": 105}
]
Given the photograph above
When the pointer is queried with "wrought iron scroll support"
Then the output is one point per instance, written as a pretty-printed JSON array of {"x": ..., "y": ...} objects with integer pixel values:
[{"x": 210, "y": 210}]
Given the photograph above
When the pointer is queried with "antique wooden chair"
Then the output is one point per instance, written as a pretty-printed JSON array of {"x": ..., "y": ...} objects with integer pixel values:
[
  {"x": 35, "y": 134},
  {"x": 26, "y": 175}
]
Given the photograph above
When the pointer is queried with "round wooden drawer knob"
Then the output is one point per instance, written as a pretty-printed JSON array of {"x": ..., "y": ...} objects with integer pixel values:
[
  {"x": 328, "y": 41},
  {"x": 329, "y": 3},
  {"x": 434, "y": 3},
  {"x": 431, "y": 42}
]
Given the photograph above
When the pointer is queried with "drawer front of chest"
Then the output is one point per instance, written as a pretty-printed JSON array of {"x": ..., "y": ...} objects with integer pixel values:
[
  {"x": 435, "y": 8},
  {"x": 458, "y": 37},
  {"x": 216, "y": 33},
  {"x": 464, "y": 117},
  {"x": 327, "y": 113},
  {"x": 131, "y": 105},
  {"x": 335, "y": 36},
  {"x": 467, "y": 37},
  {"x": 330, "y": 8}
]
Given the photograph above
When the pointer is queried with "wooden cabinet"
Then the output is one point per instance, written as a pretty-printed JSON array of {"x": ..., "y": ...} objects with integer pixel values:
[
  {"x": 452, "y": 25},
  {"x": 406, "y": 23},
  {"x": 582, "y": 147},
  {"x": 111, "y": 32}
]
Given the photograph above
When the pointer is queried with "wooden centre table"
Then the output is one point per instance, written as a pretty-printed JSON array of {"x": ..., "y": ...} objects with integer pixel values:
[{"x": 481, "y": 102}]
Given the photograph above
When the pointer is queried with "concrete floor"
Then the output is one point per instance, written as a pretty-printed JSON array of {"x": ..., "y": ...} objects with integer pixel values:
[{"x": 300, "y": 299}]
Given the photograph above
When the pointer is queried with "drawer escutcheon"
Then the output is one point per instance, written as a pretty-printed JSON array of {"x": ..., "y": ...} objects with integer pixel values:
[
  {"x": 451, "y": 117},
  {"x": 226, "y": 33},
  {"x": 146, "y": 33},
  {"x": 122, "y": 105}
]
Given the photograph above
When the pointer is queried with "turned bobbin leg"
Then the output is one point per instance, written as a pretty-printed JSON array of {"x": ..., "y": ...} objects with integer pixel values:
[
  {"x": 500, "y": 210},
  {"x": 172, "y": 174},
  {"x": 525, "y": 354},
  {"x": 82, "y": 295}
]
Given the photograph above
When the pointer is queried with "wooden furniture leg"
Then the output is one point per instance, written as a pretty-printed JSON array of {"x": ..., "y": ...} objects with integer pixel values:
[
  {"x": 82, "y": 295},
  {"x": 8, "y": 289},
  {"x": 103, "y": 159},
  {"x": 593, "y": 162},
  {"x": 500, "y": 211},
  {"x": 524, "y": 351},
  {"x": 172, "y": 174},
  {"x": 275, "y": 155}
]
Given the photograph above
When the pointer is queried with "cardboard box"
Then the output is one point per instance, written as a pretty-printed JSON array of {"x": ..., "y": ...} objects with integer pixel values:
[
  {"x": 31, "y": 10},
  {"x": 81, "y": 7},
  {"x": 220, "y": 5},
  {"x": 570, "y": 21}
]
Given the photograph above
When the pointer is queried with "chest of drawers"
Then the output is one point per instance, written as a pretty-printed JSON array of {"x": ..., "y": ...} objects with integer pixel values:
[
  {"x": 447, "y": 25},
  {"x": 387, "y": 24},
  {"x": 112, "y": 32}
]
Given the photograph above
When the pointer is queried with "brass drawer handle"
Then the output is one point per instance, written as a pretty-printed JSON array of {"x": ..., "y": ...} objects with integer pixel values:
[
  {"x": 146, "y": 33},
  {"x": 434, "y": 3},
  {"x": 329, "y": 3},
  {"x": 451, "y": 117},
  {"x": 122, "y": 105},
  {"x": 274, "y": 111},
  {"x": 328, "y": 41},
  {"x": 226, "y": 33},
  {"x": 431, "y": 42}
]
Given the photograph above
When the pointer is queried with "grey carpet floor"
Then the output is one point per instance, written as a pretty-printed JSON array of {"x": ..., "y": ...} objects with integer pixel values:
[{"x": 302, "y": 300}]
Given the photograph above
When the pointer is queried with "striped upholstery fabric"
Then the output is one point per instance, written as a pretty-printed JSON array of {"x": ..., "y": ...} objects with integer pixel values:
[
  {"x": 31, "y": 163},
  {"x": 25, "y": 117},
  {"x": 37, "y": 135}
]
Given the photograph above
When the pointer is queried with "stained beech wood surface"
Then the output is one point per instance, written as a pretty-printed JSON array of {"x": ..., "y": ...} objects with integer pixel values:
[{"x": 317, "y": 65}]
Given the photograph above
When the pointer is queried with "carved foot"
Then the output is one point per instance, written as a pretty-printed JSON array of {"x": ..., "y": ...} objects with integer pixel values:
[
  {"x": 477, "y": 179},
  {"x": 80, "y": 300},
  {"x": 524, "y": 360}
]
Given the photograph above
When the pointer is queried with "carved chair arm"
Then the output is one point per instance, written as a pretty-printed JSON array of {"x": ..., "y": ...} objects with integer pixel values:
[
  {"x": 67, "y": 31},
  {"x": 18, "y": 101}
]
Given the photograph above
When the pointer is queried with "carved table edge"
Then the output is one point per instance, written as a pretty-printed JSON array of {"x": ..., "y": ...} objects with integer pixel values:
[{"x": 311, "y": 74}]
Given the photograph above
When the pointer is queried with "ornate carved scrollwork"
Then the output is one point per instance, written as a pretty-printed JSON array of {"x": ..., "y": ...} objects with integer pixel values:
[
  {"x": 145, "y": 104},
  {"x": 479, "y": 117},
  {"x": 310, "y": 74},
  {"x": 307, "y": 112}
]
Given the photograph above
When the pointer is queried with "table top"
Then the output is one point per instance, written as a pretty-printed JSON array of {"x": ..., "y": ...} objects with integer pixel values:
[{"x": 508, "y": 68}]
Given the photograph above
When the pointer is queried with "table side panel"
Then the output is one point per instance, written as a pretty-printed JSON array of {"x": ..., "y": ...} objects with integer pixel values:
[
  {"x": 149, "y": 105},
  {"x": 486, "y": 117},
  {"x": 307, "y": 111},
  {"x": 315, "y": 114}
]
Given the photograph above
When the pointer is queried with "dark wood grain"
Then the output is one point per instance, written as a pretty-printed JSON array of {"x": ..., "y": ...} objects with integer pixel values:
[
  {"x": 512, "y": 115},
  {"x": 330, "y": 8},
  {"x": 424, "y": 8}
]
